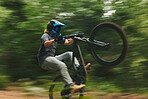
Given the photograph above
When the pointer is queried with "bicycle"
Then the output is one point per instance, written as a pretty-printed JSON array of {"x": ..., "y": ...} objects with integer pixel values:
[{"x": 108, "y": 45}]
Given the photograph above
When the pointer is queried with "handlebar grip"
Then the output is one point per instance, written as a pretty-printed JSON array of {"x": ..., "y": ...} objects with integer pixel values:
[{"x": 73, "y": 35}]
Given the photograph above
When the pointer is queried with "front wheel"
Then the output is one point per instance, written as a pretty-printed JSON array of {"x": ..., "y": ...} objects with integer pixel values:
[{"x": 112, "y": 34}]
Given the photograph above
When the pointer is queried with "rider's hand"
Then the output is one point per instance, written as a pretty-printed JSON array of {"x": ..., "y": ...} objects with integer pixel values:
[
  {"x": 69, "y": 41},
  {"x": 58, "y": 39}
]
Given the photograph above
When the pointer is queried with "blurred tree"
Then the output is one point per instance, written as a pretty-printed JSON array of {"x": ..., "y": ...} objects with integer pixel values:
[
  {"x": 22, "y": 23},
  {"x": 132, "y": 16},
  {"x": 26, "y": 23}
]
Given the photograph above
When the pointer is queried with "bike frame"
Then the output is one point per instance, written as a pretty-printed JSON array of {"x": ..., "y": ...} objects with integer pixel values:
[
  {"x": 76, "y": 48},
  {"x": 79, "y": 73}
]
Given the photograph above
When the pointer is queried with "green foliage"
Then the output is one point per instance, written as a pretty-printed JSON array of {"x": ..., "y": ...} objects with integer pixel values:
[
  {"x": 4, "y": 78},
  {"x": 22, "y": 23}
]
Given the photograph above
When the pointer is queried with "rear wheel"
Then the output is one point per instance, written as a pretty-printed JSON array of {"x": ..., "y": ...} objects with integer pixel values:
[{"x": 111, "y": 33}]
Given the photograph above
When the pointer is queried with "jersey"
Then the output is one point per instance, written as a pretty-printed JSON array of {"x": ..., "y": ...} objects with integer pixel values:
[{"x": 45, "y": 52}]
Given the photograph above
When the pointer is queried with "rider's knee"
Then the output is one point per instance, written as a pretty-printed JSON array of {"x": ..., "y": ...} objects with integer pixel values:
[{"x": 69, "y": 53}]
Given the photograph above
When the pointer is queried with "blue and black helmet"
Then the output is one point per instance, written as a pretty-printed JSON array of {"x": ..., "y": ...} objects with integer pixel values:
[{"x": 54, "y": 27}]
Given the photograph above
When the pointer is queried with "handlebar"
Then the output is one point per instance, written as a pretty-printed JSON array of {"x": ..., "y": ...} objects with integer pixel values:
[
  {"x": 79, "y": 36},
  {"x": 73, "y": 35}
]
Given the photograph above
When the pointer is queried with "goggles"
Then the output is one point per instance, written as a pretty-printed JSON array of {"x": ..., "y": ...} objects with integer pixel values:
[{"x": 57, "y": 29}]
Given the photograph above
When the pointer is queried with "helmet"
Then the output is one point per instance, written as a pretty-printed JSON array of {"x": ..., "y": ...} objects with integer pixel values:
[{"x": 54, "y": 27}]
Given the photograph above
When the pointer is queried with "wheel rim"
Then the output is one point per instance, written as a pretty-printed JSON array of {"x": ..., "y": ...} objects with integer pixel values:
[{"x": 109, "y": 34}]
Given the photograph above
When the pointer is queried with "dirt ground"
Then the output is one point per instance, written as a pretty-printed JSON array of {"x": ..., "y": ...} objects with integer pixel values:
[{"x": 17, "y": 93}]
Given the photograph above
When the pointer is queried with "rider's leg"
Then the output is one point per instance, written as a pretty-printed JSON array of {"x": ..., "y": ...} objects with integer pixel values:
[
  {"x": 52, "y": 63},
  {"x": 66, "y": 56}
]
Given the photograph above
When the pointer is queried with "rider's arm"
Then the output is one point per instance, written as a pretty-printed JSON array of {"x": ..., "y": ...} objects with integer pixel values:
[
  {"x": 47, "y": 40},
  {"x": 68, "y": 41},
  {"x": 48, "y": 43}
]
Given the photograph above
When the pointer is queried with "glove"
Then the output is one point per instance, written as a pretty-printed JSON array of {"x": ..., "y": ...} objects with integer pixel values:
[{"x": 58, "y": 39}]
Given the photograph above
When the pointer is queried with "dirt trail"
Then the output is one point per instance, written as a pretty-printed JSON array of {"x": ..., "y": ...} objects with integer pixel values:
[
  {"x": 19, "y": 95},
  {"x": 16, "y": 93}
]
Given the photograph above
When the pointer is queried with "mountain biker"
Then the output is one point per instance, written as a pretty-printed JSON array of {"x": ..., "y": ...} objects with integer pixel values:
[{"x": 46, "y": 54}]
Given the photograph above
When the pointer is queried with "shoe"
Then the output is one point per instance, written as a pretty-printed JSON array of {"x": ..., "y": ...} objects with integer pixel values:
[
  {"x": 76, "y": 87},
  {"x": 88, "y": 67}
]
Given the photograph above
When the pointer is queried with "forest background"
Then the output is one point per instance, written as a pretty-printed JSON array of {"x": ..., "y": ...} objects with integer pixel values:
[{"x": 22, "y": 23}]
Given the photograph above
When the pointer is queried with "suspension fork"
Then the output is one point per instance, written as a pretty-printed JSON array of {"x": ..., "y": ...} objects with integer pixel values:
[{"x": 76, "y": 47}]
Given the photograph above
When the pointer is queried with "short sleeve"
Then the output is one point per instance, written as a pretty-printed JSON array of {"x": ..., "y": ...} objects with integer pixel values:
[{"x": 44, "y": 38}]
